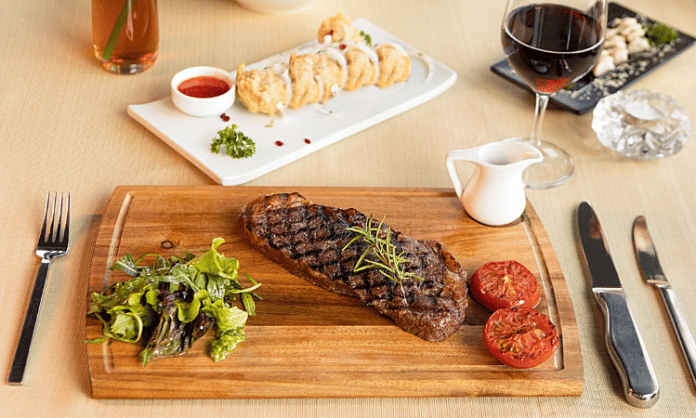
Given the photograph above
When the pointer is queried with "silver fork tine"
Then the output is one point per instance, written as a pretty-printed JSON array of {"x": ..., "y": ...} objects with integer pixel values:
[
  {"x": 53, "y": 219},
  {"x": 66, "y": 232},
  {"x": 57, "y": 238},
  {"x": 45, "y": 222},
  {"x": 47, "y": 249}
]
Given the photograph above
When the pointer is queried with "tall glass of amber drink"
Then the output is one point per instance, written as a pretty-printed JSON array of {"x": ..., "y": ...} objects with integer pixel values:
[{"x": 125, "y": 34}]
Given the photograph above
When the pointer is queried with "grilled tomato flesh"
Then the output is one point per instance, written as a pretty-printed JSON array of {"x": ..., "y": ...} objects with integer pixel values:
[
  {"x": 505, "y": 284},
  {"x": 520, "y": 337}
]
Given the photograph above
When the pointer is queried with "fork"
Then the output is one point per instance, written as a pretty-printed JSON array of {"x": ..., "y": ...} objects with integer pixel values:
[{"x": 53, "y": 243}]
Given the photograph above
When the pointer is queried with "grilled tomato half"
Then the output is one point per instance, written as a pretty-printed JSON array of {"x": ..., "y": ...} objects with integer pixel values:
[
  {"x": 520, "y": 337},
  {"x": 505, "y": 284}
]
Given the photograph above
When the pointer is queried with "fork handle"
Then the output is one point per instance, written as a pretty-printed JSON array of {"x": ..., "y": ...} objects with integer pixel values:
[{"x": 19, "y": 362}]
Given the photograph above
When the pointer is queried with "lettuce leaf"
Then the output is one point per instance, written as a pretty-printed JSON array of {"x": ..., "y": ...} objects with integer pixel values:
[
  {"x": 174, "y": 301},
  {"x": 225, "y": 342},
  {"x": 219, "y": 270},
  {"x": 226, "y": 317},
  {"x": 188, "y": 311},
  {"x": 230, "y": 322}
]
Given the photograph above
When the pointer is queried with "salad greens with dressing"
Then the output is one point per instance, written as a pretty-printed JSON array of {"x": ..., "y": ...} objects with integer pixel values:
[{"x": 175, "y": 301}]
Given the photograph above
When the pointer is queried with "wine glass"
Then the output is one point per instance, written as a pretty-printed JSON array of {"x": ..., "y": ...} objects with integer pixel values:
[{"x": 551, "y": 44}]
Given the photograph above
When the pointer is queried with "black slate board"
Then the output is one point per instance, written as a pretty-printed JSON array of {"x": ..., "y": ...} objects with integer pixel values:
[{"x": 584, "y": 95}]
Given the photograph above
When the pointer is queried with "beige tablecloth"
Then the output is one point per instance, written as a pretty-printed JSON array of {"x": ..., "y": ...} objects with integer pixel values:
[{"x": 65, "y": 127}]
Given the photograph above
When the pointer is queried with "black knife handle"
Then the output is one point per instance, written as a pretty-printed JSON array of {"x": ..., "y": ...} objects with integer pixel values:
[{"x": 627, "y": 350}]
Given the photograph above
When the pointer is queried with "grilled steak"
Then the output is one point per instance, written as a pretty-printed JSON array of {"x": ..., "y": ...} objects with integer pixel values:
[{"x": 307, "y": 239}]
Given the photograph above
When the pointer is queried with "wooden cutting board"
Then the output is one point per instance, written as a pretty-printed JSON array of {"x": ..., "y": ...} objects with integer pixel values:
[{"x": 308, "y": 342}]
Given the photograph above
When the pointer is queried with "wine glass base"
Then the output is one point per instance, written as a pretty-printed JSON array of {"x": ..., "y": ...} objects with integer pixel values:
[{"x": 556, "y": 168}]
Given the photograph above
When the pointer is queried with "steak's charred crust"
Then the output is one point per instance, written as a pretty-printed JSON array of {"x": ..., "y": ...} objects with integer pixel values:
[{"x": 307, "y": 239}]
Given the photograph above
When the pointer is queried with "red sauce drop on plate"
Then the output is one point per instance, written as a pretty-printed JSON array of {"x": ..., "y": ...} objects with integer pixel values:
[
  {"x": 307, "y": 141},
  {"x": 279, "y": 143},
  {"x": 204, "y": 87}
]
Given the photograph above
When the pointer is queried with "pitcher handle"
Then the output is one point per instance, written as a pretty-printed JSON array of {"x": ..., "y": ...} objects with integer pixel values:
[{"x": 469, "y": 155}]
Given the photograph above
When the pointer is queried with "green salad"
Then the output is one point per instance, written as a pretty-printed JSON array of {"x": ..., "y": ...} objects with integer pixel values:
[{"x": 174, "y": 301}]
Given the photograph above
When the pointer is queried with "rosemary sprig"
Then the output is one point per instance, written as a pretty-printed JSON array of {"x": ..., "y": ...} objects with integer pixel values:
[{"x": 386, "y": 260}]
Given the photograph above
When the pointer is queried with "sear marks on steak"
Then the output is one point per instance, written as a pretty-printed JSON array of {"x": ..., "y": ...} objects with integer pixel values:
[{"x": 307, "y": 239}]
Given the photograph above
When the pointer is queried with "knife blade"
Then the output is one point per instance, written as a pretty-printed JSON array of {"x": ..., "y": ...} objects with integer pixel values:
[
  {"x": 652, "y": 273},
  {"x": 624, "y": 342}
]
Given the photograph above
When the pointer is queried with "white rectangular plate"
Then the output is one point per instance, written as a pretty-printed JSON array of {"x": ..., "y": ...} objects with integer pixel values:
[{"x": 301, "y": 131}]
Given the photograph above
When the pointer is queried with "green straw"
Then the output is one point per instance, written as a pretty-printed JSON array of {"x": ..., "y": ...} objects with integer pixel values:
[{"x": 116, "y": 31}]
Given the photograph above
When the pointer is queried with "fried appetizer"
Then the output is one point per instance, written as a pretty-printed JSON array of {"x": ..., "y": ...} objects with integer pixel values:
[
  {"x": 340, "y": 28},
  {"x": 261, "y": 90},
  {"x": 341, "y": 60},
  {"x": 305, "y": 87},
  {"x": 395, "y": 66},
  {"x": 363, "y": 67},
  {"x": 330, "y": 69}
]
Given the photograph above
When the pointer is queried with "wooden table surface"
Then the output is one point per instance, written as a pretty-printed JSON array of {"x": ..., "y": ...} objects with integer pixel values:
[{"x": 65, "y": 128}]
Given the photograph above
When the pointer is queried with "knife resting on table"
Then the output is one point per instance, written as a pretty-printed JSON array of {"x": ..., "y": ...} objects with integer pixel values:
[
  {"x": 623, "y": 340},
  {"x": 652, "y": 273}
]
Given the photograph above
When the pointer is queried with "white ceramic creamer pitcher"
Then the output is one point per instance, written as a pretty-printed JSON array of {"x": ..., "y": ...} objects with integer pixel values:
[{"x": 495, "y": 193}]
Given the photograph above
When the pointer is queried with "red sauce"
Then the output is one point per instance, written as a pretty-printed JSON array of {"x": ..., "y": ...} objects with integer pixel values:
[
  {"x": 224, "y": 117},
  {"x": 279, "y": 143},
  {"x": 307, "y": 141},
  {"x": 204, "y": 87}
]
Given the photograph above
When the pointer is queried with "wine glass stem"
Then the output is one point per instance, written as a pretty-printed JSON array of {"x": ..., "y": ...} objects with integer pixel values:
[{"x": 542, "y": 100}]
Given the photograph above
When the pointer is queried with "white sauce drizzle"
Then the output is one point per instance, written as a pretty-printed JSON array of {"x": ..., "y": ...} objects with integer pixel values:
[
  {"x": 336, "y": 51},
  {"x": 283, "y": 71},
  {"x": 336, "y": 55},
  {"x": 428, "y": 63}
]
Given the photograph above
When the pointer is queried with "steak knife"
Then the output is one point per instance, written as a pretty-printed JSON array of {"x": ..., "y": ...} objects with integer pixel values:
[
  {"x": 624, "y": 342},
  {"x": 652, "y": 273}
]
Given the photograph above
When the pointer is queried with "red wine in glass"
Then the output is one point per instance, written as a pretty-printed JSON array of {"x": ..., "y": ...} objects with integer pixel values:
[{"x": 551, "y": 45}]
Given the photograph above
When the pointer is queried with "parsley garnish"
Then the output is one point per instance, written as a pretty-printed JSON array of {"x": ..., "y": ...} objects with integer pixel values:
[
  {"x": 660, "y": 33},
  {"x": 367, "y": 38},
  {"x": 237, "y": 145}
]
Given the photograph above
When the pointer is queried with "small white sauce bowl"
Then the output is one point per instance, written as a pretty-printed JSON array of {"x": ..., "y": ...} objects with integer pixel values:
[
  {"x": 202, "y": 107},
  {"x": 276, "y": 6}
]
